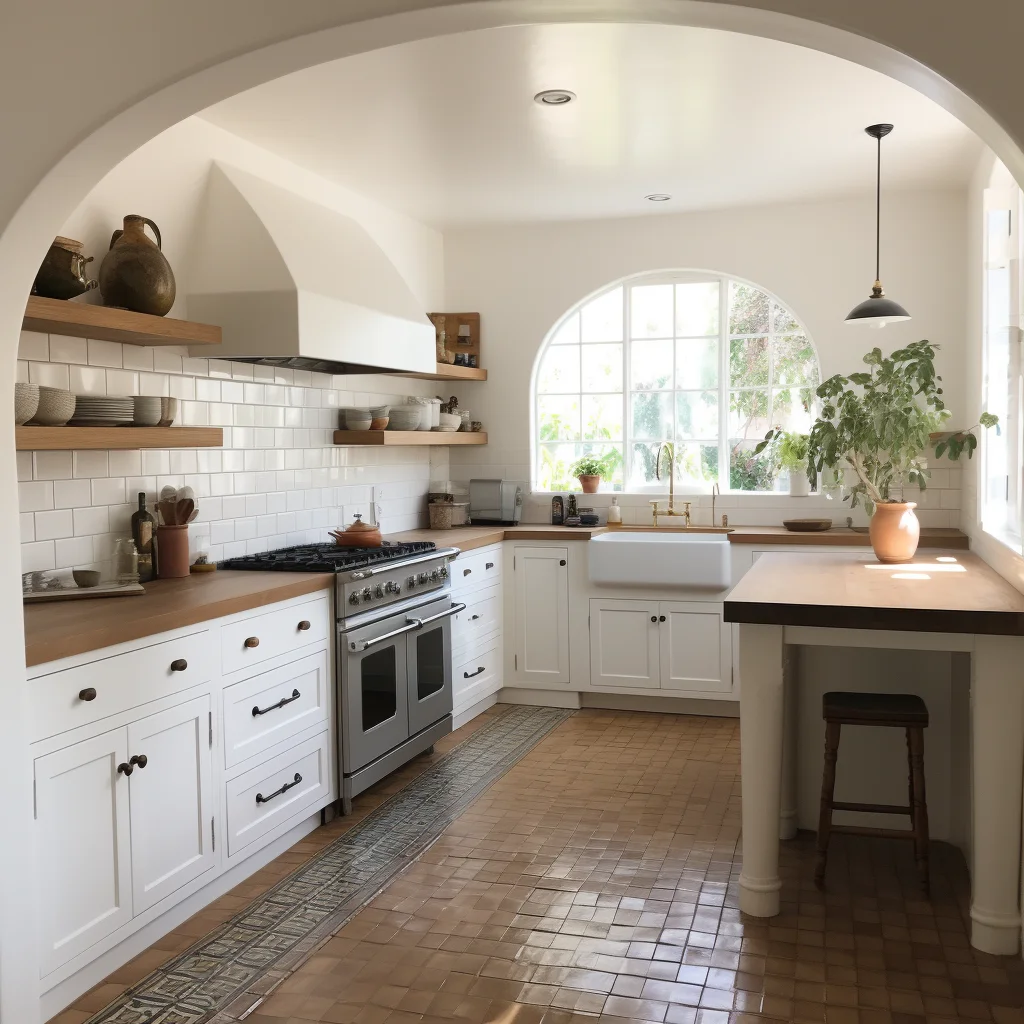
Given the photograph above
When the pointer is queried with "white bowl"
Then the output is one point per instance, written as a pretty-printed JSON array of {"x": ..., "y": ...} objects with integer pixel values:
[
  {"x": 56, "y": 407},
  {"x": 449, "y": 421},
  {"x": 405, "y": 417},
  {"x": 26, "y": 401}
]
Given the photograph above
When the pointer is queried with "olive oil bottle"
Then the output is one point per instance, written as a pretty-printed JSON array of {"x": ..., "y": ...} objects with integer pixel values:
[{"x": 143, "y": 529}]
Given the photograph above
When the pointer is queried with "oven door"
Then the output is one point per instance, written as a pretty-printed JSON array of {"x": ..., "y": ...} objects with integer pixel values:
[
  {"x": 430, "y": 664},
  {"x": 374, "y": 690}
]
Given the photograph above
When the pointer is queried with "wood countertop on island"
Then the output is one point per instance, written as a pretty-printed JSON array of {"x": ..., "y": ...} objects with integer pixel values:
[
  {"x": 60, "y": 629},
  {"x": 950, "y": 592}
]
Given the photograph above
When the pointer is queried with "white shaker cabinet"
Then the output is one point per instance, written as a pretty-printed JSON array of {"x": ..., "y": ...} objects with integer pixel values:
[
  {"x": 541, "y": 615},
  {"x": 625, "y": 644},
  {"x": 171, "y": 798},
  {"x": 83, "y": 846},
  {"x": 678, "y": 647}
]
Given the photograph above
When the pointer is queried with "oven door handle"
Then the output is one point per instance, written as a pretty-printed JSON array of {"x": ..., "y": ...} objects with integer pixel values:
[
  {"x": 454, "y": 610},
  {"x": 427, "y": 556},
  {"x": 363, "y": 645}
]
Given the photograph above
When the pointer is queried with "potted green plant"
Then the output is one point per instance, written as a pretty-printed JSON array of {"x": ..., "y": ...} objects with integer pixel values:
[
  {"x": 881, "y": 424},
  {"x": 789, "y": 450},
  {"x": 588, "y": 470}
]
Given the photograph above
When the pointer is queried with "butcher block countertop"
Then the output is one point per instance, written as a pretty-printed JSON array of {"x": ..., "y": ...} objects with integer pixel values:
[
  {"x": 60, "y": 629},
  {"x": 466, "y": 538},
  {"x": 951, "y": 592}
]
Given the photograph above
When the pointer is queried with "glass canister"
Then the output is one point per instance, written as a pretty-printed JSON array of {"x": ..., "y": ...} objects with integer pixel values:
[
  {"x": 126, "y": 561},
  {"x": 467, "y": 419}
]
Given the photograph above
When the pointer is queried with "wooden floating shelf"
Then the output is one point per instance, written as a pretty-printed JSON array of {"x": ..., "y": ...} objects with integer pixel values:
[
  {"x": 52, "y": 439},
  {"x": 408, "y": 437},
  {"x": 82, "y": 320},
  {"x": 446, "y": 371}
]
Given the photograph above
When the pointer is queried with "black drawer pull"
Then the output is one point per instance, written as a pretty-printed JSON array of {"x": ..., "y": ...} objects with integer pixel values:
[
  {"x": 179, "y": 665},
  {"x": 139, "y": 759},
  {"x": 469, "y": 675},
  {"x": 261, "y": 799},
  {"x": 654, "y": 618},
  {"x": 256, "y": 711},
  {"x": 251, "y": 642},
  {"x": 661, "y": 618},
  {"x": 489, "y": 565},
  {"x": 561, "y": 561},
  {"x": 124, "y": 768},
  {"x": 466, "y": 572},
  {"x": 473, "y": 618},
  {"x": 89, "y": 693},
  {"x": 304, "y": 625}
]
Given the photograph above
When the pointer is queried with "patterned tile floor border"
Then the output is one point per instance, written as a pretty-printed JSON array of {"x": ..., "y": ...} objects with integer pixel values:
[{"x": 224, "y": 973}]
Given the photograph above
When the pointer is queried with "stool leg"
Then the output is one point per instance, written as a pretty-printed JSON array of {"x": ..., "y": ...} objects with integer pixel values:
[
  {"x": 919, "y": 804},
  {"x": 828, "y": 786}
]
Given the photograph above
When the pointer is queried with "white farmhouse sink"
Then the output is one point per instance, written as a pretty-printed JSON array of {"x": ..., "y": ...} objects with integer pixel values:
[{"x": 661, "y": 559}]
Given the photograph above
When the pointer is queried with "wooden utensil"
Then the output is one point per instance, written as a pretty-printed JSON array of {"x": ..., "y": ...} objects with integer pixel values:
[
  {"x": 183, "y": 511},
  {"x": 167, "y": 509}
]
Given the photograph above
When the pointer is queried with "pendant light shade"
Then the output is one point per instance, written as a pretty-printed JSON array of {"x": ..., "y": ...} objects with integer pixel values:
[{"x": 877, "y": 310}]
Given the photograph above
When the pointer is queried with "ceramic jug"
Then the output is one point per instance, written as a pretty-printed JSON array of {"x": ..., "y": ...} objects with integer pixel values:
[{"x": 135, "y": 273}]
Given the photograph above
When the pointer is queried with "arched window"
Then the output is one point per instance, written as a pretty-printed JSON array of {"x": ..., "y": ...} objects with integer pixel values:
[{"x": 700, "y": 359}]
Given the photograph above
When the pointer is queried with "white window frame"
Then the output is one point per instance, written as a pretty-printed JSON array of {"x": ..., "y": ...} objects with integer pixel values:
[{"x": 672, "y": 277}]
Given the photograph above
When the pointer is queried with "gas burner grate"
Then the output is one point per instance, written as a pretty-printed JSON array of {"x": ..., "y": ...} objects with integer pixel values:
[{"x": 327, "y": 557}]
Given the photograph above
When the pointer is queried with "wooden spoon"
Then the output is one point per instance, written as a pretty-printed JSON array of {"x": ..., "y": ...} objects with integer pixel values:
[
  {"x": 168, "y": 511},
  {"x": 183, "y": 509}
]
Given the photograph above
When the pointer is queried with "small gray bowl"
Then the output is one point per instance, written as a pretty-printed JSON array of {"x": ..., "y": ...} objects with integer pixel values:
[{"x": 86, "y": 577}]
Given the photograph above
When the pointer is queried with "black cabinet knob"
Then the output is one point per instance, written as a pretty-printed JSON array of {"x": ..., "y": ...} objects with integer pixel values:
[
  {"x": 661, "y": 618},
  {"x": 561, "y": 561},
  {"x": 654, "y": 618},
  {"x": 124, "y": 769},
  {"x": 89, "y": 693},
  {"x": 139, "y": 759},
  {"x": 252, "y": 641},
  {"x": 179, "y": 665},
  {"x": 304, "y": 625}
]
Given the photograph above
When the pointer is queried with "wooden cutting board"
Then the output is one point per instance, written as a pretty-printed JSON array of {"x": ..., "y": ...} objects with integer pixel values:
[{"x": 79, "y": 593}]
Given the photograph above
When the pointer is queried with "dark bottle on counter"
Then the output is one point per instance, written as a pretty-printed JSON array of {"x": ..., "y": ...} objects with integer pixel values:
[
  {"x": 557, "y": 511},
  {"x": 143, "y": 528},
  {"x": 573, "y": 509}
]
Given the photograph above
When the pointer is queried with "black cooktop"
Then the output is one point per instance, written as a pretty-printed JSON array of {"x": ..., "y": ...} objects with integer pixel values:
[{"x": 327, "y": 557}]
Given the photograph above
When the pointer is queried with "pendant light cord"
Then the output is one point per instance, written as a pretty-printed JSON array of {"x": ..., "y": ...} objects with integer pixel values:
[{"x": 878, "y": 213}]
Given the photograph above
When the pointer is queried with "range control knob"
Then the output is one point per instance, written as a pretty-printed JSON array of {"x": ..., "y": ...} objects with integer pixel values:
[
  {"x": 444, "y": 572},
  {"x": 378, "y": 591},
  {"x": 423, "y": 577},
  {"x": 367, "y": 594},
  {"x": 353, "y": 598},
  {"x": 392, "y": 587},
  {"x": 435, "y": 575},
  {"x": 411, "y": 581}
]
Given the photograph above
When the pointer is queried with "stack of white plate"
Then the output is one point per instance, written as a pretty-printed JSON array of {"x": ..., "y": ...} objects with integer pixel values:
[{"x": 102, "y": 411}]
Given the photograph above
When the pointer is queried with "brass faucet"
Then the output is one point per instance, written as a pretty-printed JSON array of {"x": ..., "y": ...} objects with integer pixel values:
[
  {"x": 671, "y": 510},
  {"x": 715, "y": 493}
]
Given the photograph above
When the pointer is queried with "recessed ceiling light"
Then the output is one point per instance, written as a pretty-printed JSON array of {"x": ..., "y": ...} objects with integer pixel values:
[
  {"x": 658, "y": 197},
  {"x": 554, "y": 97}
]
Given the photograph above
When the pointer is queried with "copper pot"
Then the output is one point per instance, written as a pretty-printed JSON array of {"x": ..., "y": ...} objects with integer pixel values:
[
  {"x": 135, "y": 273},
  {"x": 61, "y": 275}
]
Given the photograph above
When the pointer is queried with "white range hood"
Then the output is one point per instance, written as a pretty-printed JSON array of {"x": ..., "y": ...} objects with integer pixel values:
[{"x": 293, "y": 283}]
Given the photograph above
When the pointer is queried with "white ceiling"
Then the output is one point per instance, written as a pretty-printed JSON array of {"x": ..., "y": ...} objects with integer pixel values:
[{"x": 446, "y": 129}]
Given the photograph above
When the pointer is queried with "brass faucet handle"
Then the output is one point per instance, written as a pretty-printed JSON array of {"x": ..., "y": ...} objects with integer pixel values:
[{"x": 686, "y": 506}]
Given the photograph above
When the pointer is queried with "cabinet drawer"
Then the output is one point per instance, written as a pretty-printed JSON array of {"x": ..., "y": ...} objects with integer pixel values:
[
  {"x": 255, "y": 802},
  {"x": 481, "y": 617},
  {"x": 258, "y": 638},
  {"x": 476, "y": 569},
  {"x": 108, "y": 686},
  {"x": 272, "y": 706},
  {"x": 476, "y": 675}
]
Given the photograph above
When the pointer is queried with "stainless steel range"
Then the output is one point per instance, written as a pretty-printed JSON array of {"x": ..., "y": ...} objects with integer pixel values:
[{"x": 394, "y": 651}]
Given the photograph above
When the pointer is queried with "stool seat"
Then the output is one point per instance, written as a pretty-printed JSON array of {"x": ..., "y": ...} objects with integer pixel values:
[{"x": 893, "y": 709}]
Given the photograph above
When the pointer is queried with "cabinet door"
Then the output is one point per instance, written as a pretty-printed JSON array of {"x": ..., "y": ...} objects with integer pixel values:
[
  {"x": 542, "y": 615},
  {"x": 171, "y": 801},
  {"x": 624, "y": 644},
  {"x": 82, "y": 846},
  {"x": 696, "y": 647}
]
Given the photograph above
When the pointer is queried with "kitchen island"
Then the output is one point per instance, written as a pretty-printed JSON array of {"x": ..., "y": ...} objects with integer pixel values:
[{"x": 944, "y": 601}]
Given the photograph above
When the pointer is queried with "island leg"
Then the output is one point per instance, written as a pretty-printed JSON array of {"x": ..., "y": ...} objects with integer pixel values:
[
  {"x": 790, "y": 743},
  {"x": 761, "y": 737},
  {"x": 997, "y": 741}
]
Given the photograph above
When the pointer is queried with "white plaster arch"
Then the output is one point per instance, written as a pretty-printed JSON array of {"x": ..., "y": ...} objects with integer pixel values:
[{"x": 237, "y": 57}]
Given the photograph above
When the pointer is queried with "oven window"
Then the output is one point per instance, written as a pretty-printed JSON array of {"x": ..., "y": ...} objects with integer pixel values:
[
  {"x": 429, "y": 663},
  {"x": 379, "y": 684}
]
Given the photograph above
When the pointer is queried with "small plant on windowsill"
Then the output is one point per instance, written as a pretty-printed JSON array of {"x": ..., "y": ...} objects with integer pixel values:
[
  {"x": 588, "y": 470},
  {"x": 881, "y": 423},
  {"x": 788, "y": 450}
]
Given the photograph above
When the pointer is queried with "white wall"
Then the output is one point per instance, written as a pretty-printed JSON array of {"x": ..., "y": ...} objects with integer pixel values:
[{"x": 817, "y": 257}]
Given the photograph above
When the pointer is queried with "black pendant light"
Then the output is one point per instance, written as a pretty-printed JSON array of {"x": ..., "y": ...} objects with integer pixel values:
[{"x": 877, "y": 311}]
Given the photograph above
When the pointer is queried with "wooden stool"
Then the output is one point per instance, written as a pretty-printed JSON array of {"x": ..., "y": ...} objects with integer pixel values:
[{"x": 890, "y": 710}]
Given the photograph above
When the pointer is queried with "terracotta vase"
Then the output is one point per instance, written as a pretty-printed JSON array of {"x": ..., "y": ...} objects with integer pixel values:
[
  {"x": 135, "y": 273},
  {"x": 590, "y": 484},
  {"x": 894, "y": 531},
  {"x": 172, "y": 552}
]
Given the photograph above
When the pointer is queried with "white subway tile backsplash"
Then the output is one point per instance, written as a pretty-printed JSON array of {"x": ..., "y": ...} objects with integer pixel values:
[
  {"x": 155, "y": 462},
  {"x": 156, "y": 385},
  {"x": 104, "y": 353},
  {"x": 89, "y": 521},
  {"x": 67, "y": 350},
  {"x": 137, "y": 357},
  {"x": 122, "y": 382},
  {"x": 71, "y": 493},
  {"x": 124, "y": 463},
  {"x": 74, "y": 551},
  {"x": 166, "y": 360},
  {"x": 91, "y": 463},
  {"x": 24, "y": 463},
  {"x": 88, "y": 380},
  {"x": 54, "y": 524},
  {"x": 27, "y": 522},
  {"x": 51, "y": 465},
  {"x": 182, "y": 388},
  {"x": 33, "y": 345},
  {"x": 37, "y": 557},
  {"x": 51, "y": 375},
  {"x": 108, "y": 490}
]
